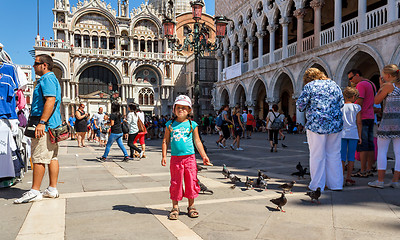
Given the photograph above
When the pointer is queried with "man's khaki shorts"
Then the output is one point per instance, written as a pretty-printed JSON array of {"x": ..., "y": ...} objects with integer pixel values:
[{"x": 43, "y": 151}]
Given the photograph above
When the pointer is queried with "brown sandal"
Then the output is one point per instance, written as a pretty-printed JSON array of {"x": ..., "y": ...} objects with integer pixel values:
[
  {"x": 192, "y": 212},
  {"x": 173, "y": 214}
]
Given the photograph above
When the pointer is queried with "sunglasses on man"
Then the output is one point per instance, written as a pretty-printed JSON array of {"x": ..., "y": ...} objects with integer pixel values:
[{"x": 37, "y": 63}]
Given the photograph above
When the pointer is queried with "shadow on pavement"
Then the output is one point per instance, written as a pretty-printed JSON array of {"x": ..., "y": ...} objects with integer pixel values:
[{"x": 11, "y": 193}]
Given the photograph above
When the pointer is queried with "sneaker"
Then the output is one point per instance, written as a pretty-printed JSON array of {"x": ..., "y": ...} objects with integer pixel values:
[
  {"x": 141, "y": 154},
  {"x": 221, "y": 146},
  {"x": 126, "y": 158},
  {"x": 239, "y": 149},
  {"x": 50, "y": 194},
  {"x": 232, "y": 147},
  {"x": 29, "y": 196},
  {"x": 395, "y": 184},
  {"x": 102, "y": 159},
  {"x": 376, "y": 184}
]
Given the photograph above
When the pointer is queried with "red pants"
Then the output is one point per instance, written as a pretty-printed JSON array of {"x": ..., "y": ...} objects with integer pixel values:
[
  {"x": 183, "y": 168},
  {"x": 140, "y": 137}
]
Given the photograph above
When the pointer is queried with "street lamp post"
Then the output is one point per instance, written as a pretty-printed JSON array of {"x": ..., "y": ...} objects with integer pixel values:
[{"x": 196, "y": 39}]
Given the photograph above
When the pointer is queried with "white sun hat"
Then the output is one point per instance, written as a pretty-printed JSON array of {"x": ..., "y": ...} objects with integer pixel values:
[{"x": 183, "y": 100}]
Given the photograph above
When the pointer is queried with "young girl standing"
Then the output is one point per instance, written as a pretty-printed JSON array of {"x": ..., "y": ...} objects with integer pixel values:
[
  {"x": 180, "y": 133},
  {"x": 351, "y": 133}
]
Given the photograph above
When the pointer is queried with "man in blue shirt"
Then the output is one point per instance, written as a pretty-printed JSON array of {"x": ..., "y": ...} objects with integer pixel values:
[
  {"x": 46, "y": 104},
  {"x": 71, "y": 123}
]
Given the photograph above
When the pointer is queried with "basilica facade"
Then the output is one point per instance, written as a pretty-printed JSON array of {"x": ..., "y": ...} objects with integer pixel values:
[
  {"x": 270, "y": 44},
  {"x": 98, "y": 51}
]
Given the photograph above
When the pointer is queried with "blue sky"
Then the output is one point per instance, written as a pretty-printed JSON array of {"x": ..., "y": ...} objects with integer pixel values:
[{"x": 19, "y": 28}]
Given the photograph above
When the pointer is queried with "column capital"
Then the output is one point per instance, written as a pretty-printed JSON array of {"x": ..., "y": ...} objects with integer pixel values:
[
  {"x": 272, "y": 28},
  {"x": 317, "y": 4},
  {"x": 226, "y": 52},
  {"x": 300, "y": 13},
  {"x": 219, "y": 55},
  {"x": 285, "y": 20},
  {"x": 241, "y": 44},
  {"x": 261, "y": 34},
  {"x": 249, "y": 104},
  {"x": 250, "y": 40},
  {"x": 233, "y": 48}
]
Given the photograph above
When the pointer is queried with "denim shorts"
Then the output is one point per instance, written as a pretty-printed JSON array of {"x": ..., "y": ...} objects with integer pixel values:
[{"x": 367, "y": 136}]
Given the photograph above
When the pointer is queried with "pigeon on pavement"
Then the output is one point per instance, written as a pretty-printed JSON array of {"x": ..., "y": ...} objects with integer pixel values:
[
  {"x": 225, "y": 171},
  {"x": 299, "y": 167},
  {"x": 264, "y": 176},
  {"x": 234, "y": 178},
  {"x": 249, "y": 183},
  {"x": 280, "y": 202},
  {"x": 314, "y": 195},
  {"x": 300, "y": 173},
  {"x": 203, "y": 188},
  {"x": 287, "y": 187},
  {"x": 263, "y": 184},
  {"x": 284, "y": 146}
]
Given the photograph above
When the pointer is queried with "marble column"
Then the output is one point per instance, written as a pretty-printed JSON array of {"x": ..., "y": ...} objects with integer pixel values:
[
  {"x": 338, "y": 20},
  {"x": 91, "y": 41},
  {"x": 68, "y": 87},
  {"x": 260, "y": 36},
  {"x": 72, "y": 91},
  {"x": 82, "y": 45},
  {"x": 108, "y": 43},
  {"x": 131, "y": 44},
  {"x": 117, "y": 45},
  {"x": 66, "y": 112},
  {"x": 299, "y": 14},
  {"x": 272, "y": 28},
  {"x": 241, "y": 51},
  {"x": 233, "y": 50},
  {"x": 219, "y": 59},
  {"x": 285, "y": 23},
  {"x": 362, "y": 15},
  {"x": 250, "y": 41},
  {"x": 392, "y": 10},
  {"x": 226, "y": 58},
  {"x": 317, "y": 6}
]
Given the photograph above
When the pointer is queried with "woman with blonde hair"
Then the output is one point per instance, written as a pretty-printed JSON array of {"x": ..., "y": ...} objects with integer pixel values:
[
  {"x": 322, "y": 100},
  {"x": 389, "y": 128}
]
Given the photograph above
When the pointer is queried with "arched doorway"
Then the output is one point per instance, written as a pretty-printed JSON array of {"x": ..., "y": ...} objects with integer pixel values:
[
  {"x": 97, "y": 78},
  {"x": 366, "y": 64},
  {"x": 240, "y": 97},
  {"x": 259, "y": 94},
  {"x": 283, "y": 92},
  {"x": 224, "y": 98}
]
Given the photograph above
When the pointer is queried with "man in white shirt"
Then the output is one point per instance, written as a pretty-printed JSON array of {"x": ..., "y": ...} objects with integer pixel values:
[
  {"x": 98, "y": 119},
  {"x": 244, "y": 116}
]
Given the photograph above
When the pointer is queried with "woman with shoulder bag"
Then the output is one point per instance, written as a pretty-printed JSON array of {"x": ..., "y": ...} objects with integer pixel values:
[
  {"x": 273, "y": 130},
  {"x": 81, "y": 125}
]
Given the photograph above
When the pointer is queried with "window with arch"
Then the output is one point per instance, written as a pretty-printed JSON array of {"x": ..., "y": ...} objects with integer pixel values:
[
  {"x": 249, "y": 16},
  {"x": 240, "y": 22},
  {"x": 146, "y": 96}
]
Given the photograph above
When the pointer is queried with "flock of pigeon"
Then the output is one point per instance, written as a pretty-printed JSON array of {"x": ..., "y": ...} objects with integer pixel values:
[{"x": 261, "y": 182}]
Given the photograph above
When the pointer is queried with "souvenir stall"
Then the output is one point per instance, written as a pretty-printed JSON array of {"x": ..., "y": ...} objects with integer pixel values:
[{"x": 13, "y": 144}]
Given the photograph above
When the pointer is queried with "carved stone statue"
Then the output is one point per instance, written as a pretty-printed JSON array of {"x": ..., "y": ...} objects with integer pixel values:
[{"x": 169, "y": 9}]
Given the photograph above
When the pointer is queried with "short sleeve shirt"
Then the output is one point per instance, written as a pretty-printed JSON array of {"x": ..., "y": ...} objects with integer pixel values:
[
  {"x": 47, "y": 86},
  {"x": 116, "y": 128},
  {"x": 271, "y": 118},
  {"x": 181, "y": 138},
  {"x": 250, "y": 119},
  {"x": 7, "y": 105},
  {"x": 350, "y": 111},
  {"x": 99, "y": 117},
  {"x": 366, "y": 90},
  {"x": 71, "y": 121}
]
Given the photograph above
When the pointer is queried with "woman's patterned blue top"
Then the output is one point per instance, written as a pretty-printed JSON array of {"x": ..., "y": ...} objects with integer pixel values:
[{"x": 322, "y": 101}]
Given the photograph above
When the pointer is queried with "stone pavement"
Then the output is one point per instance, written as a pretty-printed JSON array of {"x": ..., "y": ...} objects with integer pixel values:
[{"x": 118, "y": 200}]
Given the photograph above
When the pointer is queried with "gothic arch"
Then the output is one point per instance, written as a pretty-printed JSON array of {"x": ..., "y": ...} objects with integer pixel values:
[
  {"x": 275, "y": 77},
  {"x": 307, "y": 65},
  {"x": 256, "y": 79},
  {"x": 235, "y": 94},
  {"x": 223, "y": 91},
  {"x": 350, "y": 53},
  {"x": 396, "y": 57},
  {"x": 150, "y": 18},
  {"x": 155, "y": 68}
]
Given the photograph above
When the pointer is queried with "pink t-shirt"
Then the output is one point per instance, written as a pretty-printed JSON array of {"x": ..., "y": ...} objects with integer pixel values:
[{"x": 367, "y": 93}]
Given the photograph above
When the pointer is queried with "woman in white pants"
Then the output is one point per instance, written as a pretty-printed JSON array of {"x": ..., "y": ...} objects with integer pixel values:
[
  {"x": 389, "y": 128},
  {"x": 322, "y": 100}
]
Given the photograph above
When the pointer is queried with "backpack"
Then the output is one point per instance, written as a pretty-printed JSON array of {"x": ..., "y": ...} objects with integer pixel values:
[
  {"x": 277, "y": 123},
  {"x": 218, "y": 121}
]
